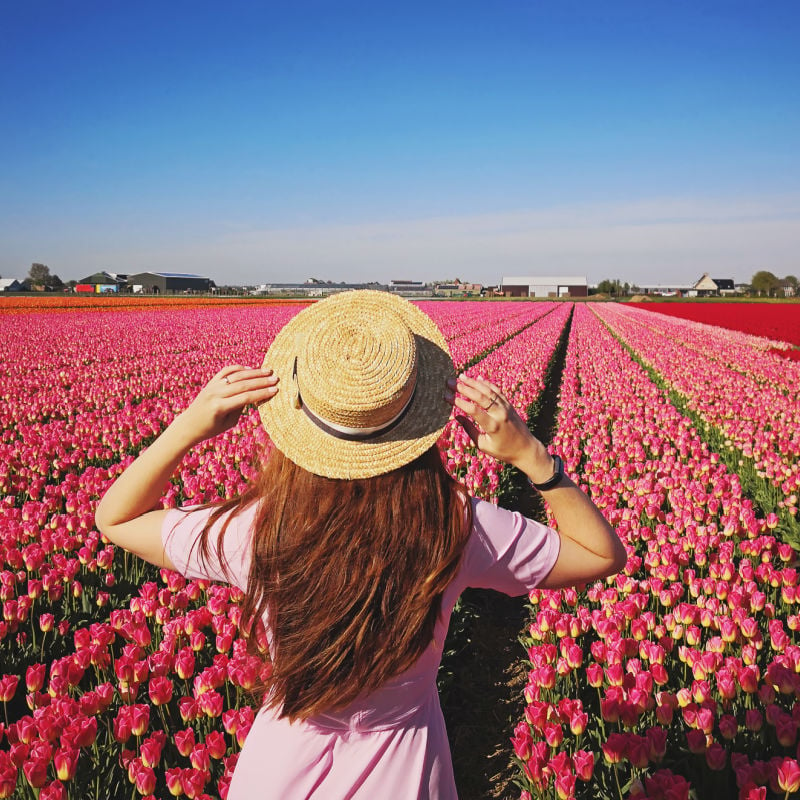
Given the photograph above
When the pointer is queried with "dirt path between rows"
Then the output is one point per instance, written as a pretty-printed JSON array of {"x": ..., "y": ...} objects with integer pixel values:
[{"x": 484, "y": 671}]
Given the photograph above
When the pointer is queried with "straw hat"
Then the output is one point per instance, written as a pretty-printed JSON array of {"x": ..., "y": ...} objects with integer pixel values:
[{"x": 362, "y": 381}]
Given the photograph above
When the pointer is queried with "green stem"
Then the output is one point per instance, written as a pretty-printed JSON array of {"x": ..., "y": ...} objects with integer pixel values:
[
  {"x": 600, "y": 714},
  {"x": 616, "y": 778}
]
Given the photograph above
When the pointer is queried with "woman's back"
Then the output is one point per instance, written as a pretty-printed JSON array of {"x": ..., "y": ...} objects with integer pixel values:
[{"x": 393, "y": 735}]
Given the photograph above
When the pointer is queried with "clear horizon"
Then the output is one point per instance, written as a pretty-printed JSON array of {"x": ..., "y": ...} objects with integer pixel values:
[{"x": 369, "y": 142}]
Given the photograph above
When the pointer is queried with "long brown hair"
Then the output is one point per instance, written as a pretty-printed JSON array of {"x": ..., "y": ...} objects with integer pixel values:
[{"x": 350, "y": 574}]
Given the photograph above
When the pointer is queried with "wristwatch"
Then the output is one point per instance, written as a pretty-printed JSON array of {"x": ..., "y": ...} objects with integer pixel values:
[{"x": 554, "y": 479}]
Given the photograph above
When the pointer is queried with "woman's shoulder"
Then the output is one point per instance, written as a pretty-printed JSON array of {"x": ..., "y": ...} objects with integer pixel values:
[
  {"x": 229, "y": 536},
  {"x": 506, "y": 550}
]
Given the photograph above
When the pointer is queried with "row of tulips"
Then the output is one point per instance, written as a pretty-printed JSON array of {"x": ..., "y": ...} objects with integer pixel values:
[
  {"x": 519, "y": 368},
  {"x": 744, "y": 353},
  {"x": 11, "y": 304},
  {"x": 746, "y": 397},
  {"x": 473, "y": 330},
  {"x": 151, "y": 694},
  {"x": 680, "y": 674}
]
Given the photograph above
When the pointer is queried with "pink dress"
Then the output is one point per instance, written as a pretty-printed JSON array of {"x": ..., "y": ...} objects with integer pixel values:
[{"x": 393, "y": 742}]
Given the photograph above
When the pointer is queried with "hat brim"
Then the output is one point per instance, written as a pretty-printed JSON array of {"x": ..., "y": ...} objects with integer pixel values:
[{"x": 322, "y": 453}]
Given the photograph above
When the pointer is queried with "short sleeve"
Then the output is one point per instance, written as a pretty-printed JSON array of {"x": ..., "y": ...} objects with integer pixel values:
[
  {"x": 181, "y": 530},
  {"x": 507, "y": 551}
]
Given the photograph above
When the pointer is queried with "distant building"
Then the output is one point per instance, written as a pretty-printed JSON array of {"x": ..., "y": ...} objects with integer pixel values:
[
  {"x": 168, "y": 283},
  {"x": 546, "y": 286},
  {"x": 664, "y": 289},
  {"x": 101, "y": 282},
  {"x": 457, "y": 289},
  {"x": 709, "y": 287},
  {"x": 410, "y": 288},
  {"x": 315, "y": 288},
  {"x": 10, "y": 285}
]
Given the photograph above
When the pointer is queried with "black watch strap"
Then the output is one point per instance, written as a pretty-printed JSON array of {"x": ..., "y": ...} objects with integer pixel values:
[{"x": 554, "y": 480}]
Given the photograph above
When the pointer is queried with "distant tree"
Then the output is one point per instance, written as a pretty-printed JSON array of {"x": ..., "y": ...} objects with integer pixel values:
[
  {"x": 606, "y": 286},
  {"x": 792, "y": 281},
  {"x": 39, "y": 274},
  {"x": 764, "y": 281}
]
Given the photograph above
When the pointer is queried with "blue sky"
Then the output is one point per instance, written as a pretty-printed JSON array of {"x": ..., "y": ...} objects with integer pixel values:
[{"x": 650, "y": 141}]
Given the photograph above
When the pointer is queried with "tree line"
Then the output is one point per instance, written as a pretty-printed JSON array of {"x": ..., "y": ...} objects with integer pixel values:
[{"x": 764, "y": 282}]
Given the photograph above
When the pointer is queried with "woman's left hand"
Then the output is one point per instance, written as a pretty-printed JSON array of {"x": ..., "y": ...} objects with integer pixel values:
[
  {"x": 495, "y": 427},
  {"x": 220, "y": 402}
]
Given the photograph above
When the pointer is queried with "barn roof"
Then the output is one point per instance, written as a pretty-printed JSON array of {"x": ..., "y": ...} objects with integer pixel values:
[{"x": 177, "y": 275}]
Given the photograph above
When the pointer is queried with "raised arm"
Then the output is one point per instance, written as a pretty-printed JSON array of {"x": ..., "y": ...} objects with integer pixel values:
[
  {"x": 590, "y": 548},
  {"x": 128, "y": 514}
]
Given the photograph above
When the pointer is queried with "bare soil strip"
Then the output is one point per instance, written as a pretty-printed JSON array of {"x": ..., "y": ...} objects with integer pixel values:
[{"x": 483, "y": 671}]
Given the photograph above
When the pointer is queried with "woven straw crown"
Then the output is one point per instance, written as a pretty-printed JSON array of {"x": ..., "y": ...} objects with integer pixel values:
[{"x": 362, "y": 378}]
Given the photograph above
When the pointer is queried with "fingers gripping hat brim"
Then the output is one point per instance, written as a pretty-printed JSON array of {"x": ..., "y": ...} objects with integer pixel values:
[{"x": 303, "y": 441}]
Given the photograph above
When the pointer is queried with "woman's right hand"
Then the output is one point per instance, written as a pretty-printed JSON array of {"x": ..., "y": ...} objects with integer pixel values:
[{"x": 496, "y": 428}]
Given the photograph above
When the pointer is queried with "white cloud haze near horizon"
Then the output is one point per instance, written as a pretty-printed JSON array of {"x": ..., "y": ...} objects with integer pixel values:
[{"x": 666, "y": 240}]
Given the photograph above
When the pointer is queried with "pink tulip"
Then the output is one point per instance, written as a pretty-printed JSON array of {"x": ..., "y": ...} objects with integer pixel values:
[
  {"x": 174, "y": 779},
  {"x": 145, "y": 780},
  {"x": 789, "y": 775},
  {"x": 8, "y": 687},
  {"x": 160, "y": 690},
  {"x": 35, "y": 771}
]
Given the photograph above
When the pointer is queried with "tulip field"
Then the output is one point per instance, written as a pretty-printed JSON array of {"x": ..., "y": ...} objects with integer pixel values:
[
  {"x": 678, "y": 678},
  {"x": 777, "y": 322}
]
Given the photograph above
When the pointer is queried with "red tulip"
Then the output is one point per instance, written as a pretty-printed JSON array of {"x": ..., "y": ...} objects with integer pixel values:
[
  {"x": 200, "y": 757},
  {"x": 716, "y": 757},
  {"x": 8, "y": 687},
  {"x": 584, "y": 764},
  {"x": 66, "y": 762},
  {"x": 54, "y": 790},
  {"x": 594, "y": 675},
  {"x": 35, "y": 771},
  {"x": 174, "y": 778},
  {"x": 8, "y": 775},
  {"x": 210, "y": 703},
  {"x": 216, "y": 744},
  {"x": 184, "y": 741},
  {"x": 696, "y": 741},
  {"x": 140, "y": 719},
  {"x": 185, "y": 663},
  {"x": 614, "y": 748},
  {"x": 151, "y": 748},
  {"x": 188, "y": 708},
  {"x": 194, "y": 781},
  {"x": 789, "y": 775},
  {"x": 160, "y": 690},
  {"x": 565, "y": 786},
  {"x": 145, "y": 780}
]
